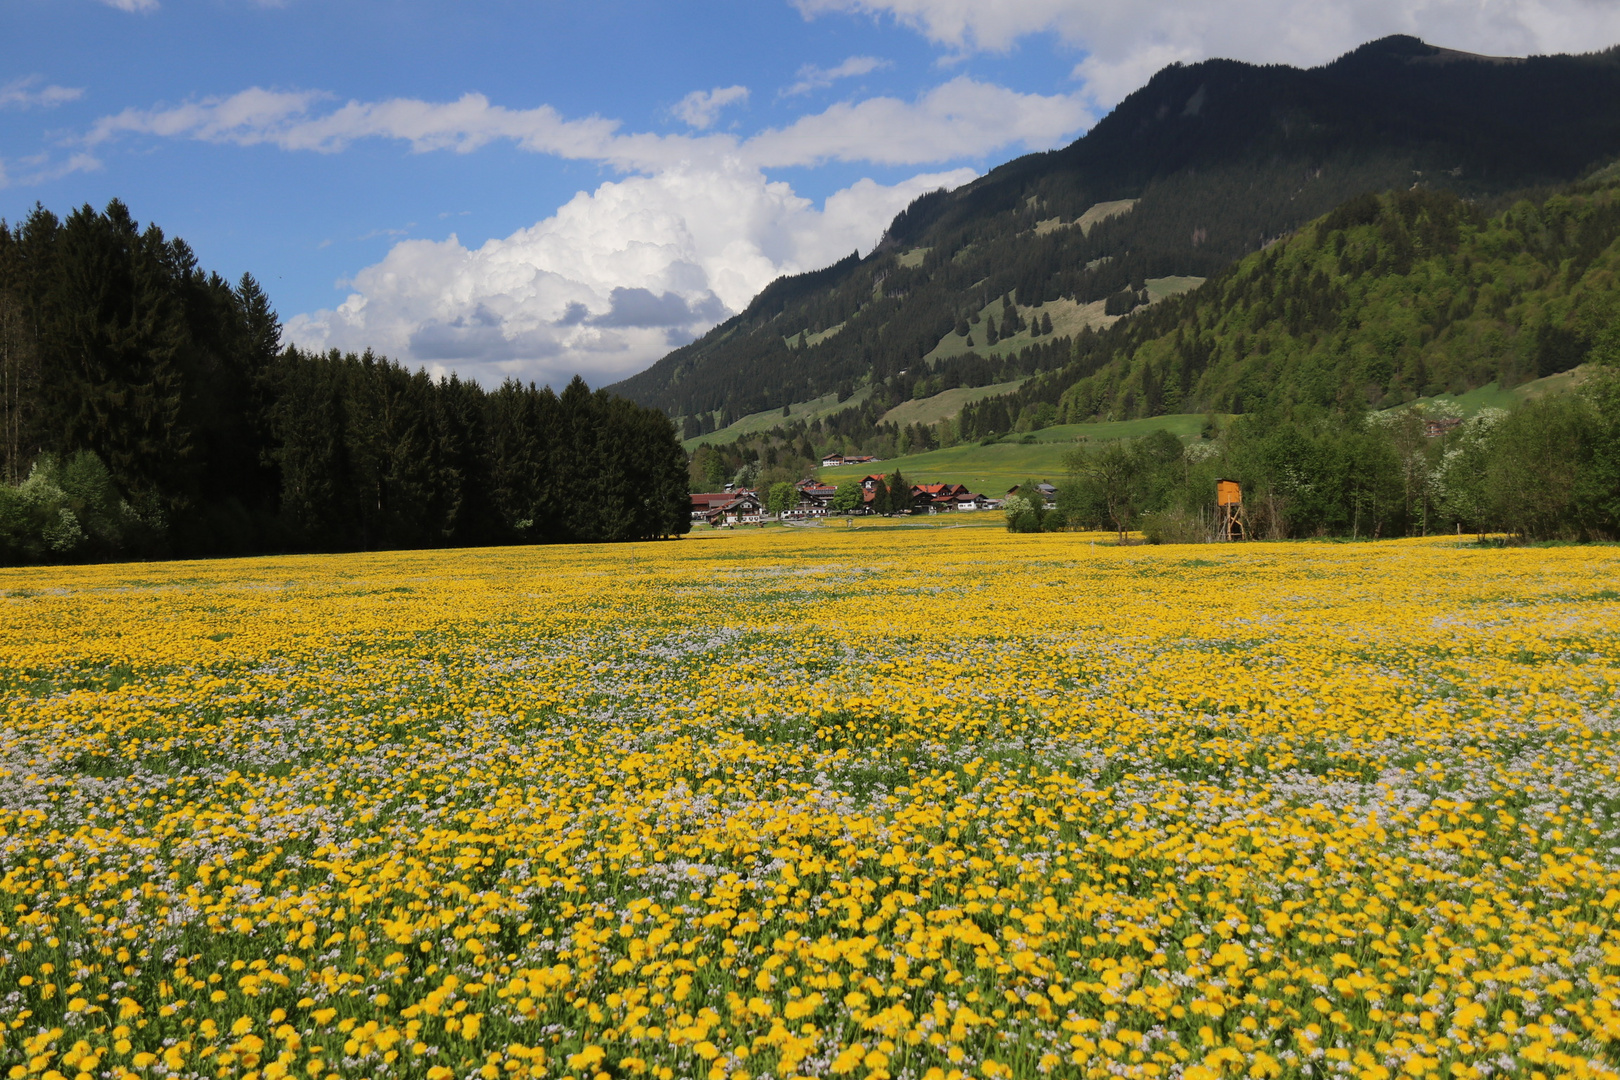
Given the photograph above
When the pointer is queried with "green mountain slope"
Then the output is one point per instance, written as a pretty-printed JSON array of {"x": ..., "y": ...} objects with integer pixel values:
[
  {"x": 1205, "y": 164},
  {"x": 1387, "y": 299}
]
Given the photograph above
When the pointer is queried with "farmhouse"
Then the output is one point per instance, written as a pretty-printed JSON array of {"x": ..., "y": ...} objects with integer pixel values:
[
  {"x": 702, "y": 504},
  {"x": 935, "y": 498},
  {"x": 815, "y": 499},
  {"x": 744, "y": 509},
  {"x": 728, "y": 508},
  {"x": 834, "y": 460}
]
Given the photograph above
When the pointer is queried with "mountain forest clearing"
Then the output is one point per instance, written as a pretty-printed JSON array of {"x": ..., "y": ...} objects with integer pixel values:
[
  {"x": 910, "y": 803},
  {"x": 929, "y": 410}
]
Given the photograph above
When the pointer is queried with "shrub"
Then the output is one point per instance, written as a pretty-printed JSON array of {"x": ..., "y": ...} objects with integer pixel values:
[
  {"x": 1176, "y": 526},
  {"x": 64, "y": 510}
]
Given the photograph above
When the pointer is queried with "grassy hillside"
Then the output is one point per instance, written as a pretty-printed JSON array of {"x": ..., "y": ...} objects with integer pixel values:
[
  {"x": 1206, "y": 163},
  {"x": 1068, "y": 317},
  {"x": 929, "y": 410},
  {"x": 1493, "y": 396},
  {"x": 991, "y": 470},
  {"x": 945, "y": 405},
  {"x": 1386, "y": 300},
  {"x": 818, "y": 408}
]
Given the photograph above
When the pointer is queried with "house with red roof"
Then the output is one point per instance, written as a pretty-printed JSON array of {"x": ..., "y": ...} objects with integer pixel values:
[{"x": 728, "y": 508}]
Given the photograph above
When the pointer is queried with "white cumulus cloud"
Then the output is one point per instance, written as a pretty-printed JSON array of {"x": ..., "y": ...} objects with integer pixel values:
[
  {"x": 132, "y": 5},
  {"x": 616, "y": 277},
  {"x": 608, "y": 284},
  {"x": 1126, "y": 43},
  {"x": 701, "y": 108}
]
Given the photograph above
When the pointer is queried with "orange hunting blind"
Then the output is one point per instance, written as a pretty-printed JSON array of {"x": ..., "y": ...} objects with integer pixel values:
[{"x": 1229, "y": 511}]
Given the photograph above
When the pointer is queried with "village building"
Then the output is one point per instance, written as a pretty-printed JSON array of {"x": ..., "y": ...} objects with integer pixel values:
[
  {"x": 707, "y": 501},
  {"x": 728, "y": 508},
  {"x": 815, "y": 499},
  {"x": 940, "y": 498}
]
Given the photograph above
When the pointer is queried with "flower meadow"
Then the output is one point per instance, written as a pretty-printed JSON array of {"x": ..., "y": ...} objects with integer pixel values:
[{"x": 911, "y": 803}]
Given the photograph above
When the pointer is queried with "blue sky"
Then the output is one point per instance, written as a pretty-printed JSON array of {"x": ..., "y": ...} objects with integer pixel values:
[{"x": 541, "y": 188}]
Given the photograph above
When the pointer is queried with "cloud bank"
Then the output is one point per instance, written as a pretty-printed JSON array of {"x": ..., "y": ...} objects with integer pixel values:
[
  {"x": 618, "y": 276},
  {"x": 611, "y": 282}
]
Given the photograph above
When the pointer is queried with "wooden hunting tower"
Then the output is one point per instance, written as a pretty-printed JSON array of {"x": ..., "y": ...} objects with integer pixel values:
[{"x": 1229, "y": 511}]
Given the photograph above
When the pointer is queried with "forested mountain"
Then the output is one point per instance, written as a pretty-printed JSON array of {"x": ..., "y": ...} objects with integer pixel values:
[
  {"x": 1387, "y": 298},
  {"x": 147, "y": 408},
  {"x": 1205, "y": 164}
]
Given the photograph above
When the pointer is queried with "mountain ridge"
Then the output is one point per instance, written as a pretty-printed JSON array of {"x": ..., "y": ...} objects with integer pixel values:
[{"x": 1221, "y": 157}]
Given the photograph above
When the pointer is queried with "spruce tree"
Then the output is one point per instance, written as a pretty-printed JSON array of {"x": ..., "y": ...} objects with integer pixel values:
[{"x": 899, "y": 493}]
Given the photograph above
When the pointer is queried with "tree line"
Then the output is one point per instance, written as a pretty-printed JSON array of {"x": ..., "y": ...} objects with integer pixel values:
[
  {"x": 148, "y": 409},
  {"x": 1548, "y": 470}
]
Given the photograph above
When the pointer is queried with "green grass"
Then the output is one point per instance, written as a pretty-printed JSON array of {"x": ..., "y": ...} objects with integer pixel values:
[
  {"x": 944, "y": 405},
  {"x": 991, "y": 470},
  {"x": 754, "y": 423},
  {"x": 1068, "y": 319},
  {"x": 1492, "y": 396},
  {"x": 940, "y": 407},
  {"x": 1099, "y": 213},
  {"x": 1160, "y": 287},
  {"x": 792, "y": 340}
]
